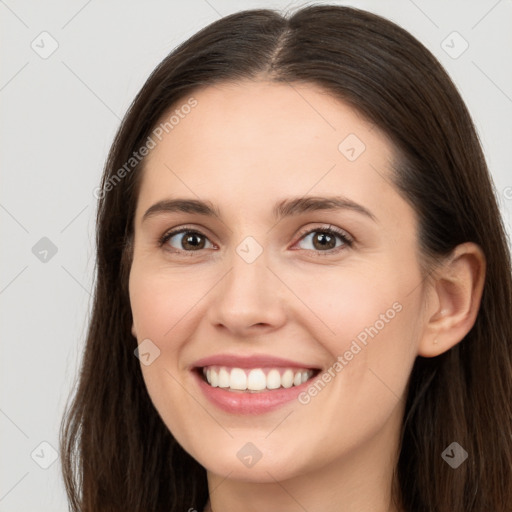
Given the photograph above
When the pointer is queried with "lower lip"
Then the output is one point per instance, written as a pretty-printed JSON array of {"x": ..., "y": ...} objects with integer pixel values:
[{"x": 239, "y": 402}]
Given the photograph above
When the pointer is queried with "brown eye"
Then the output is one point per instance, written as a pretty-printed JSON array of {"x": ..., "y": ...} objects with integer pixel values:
[
  {"x": 325, "y": 239},
  {"x": 190, "y": 240}
]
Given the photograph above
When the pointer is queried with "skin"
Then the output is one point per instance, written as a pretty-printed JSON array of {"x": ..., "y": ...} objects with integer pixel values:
[{"x": 244, "y": 147}]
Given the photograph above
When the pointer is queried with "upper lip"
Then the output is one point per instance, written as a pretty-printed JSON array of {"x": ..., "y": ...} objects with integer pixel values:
[{"x": 254, "y": 361}]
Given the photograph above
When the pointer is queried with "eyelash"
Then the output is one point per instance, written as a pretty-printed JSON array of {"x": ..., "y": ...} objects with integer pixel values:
[{"x": 331, "y": 230}]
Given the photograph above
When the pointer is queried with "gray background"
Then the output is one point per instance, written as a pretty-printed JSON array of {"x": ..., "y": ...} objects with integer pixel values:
[{"x": 59, "y": 115}]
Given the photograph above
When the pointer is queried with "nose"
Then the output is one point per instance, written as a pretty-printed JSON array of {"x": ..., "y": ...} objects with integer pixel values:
[{"x": 249, "y": 300}]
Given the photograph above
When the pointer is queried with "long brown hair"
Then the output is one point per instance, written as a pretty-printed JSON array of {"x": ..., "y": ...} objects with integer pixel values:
[{"x": 116, "y": 452}]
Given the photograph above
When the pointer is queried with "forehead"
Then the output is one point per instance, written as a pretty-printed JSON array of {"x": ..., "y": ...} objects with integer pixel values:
[
  {"x": 244, "y": 142},
  {"x": 249, "y": 111}
]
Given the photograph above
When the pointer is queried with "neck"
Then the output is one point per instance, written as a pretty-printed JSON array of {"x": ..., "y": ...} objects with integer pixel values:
[{"x": 360, "y": 481}]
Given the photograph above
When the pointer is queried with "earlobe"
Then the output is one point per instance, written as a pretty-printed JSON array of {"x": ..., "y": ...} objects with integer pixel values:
[
  {"x": 133, "y": 331},
  {"x": 458, "y": 289}
]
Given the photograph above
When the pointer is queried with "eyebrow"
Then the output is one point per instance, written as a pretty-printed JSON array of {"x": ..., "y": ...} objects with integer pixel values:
[{"x": 285, "y": 208}]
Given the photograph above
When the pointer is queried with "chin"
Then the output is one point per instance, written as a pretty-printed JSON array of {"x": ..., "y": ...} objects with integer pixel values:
[{"x": 244, "y": 462}]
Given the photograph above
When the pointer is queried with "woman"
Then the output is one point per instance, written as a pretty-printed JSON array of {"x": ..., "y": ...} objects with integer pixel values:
[{"x": 333, "y": 332}]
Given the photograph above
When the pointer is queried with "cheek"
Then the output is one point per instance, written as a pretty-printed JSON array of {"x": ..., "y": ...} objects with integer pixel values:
[
  {"x": 160, "y": 302},
  {"x": 161, "y": 299},
  {"x": 366, "y": 321},
  {"x": 343, "y": 304}
]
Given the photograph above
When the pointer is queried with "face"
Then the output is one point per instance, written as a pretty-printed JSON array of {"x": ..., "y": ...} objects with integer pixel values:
[{"x": 316, "y": 306}]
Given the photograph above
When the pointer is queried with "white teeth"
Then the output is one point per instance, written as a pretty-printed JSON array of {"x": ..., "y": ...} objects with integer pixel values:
[
  {"x": 214, "y": 378},
  {"x": 287, "y": 379},
  {"x": 238, "y": 379},
  {"x": 223, "y": 378},
  {"x": 273, "y": 379},
  {"x": 256, "y": 379}
]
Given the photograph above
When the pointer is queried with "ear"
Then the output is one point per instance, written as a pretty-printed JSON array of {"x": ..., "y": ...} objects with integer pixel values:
[
  {"x": 133, "y": 331},
  {"x": 457, "y": 291}
]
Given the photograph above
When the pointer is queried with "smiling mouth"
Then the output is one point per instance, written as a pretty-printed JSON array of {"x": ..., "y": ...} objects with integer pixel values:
[{"x": 255, "y": 380}]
